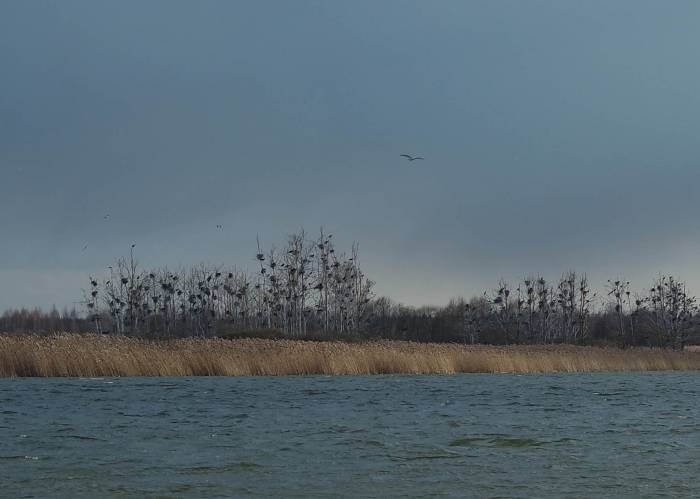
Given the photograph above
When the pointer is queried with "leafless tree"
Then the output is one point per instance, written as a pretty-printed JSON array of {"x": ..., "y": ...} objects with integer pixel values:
[
  {"x": 673, "y": 311},
  {"x": 619, "y": 292}
]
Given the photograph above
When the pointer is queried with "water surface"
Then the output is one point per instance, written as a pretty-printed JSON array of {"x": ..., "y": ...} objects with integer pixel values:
[{"x": 593, "y": 435}]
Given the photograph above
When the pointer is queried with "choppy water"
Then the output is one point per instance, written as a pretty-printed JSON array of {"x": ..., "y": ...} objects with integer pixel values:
[{"x": 598, "y": 435}]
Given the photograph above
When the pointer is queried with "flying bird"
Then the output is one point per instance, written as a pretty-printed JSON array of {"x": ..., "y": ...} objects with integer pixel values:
[
  {"x": 85, "y": 247},
  {"x": 409, "y": 157},
  {"x": 106, "y": 217},
  {"x": 219, "y": 226}
]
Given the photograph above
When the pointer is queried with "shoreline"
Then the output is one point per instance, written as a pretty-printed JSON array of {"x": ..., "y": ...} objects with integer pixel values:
[{"x": 71, "y": 355}]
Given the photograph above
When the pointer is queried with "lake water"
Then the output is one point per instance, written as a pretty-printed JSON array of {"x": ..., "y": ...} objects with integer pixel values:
[{"x": 593, "y": 435}]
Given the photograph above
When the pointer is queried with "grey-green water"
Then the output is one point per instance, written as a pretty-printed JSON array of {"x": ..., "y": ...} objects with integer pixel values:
[{"x": 597, "y": 435}]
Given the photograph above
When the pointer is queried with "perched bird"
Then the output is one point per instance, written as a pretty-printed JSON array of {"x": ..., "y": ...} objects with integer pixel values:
[{"x": 409, "y": 157}]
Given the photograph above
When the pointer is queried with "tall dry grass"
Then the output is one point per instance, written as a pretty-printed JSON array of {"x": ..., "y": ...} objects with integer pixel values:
[{"x": 94, "y": 356}]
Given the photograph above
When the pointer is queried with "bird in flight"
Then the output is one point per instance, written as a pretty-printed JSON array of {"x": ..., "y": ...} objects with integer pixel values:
[
  {"x": 409, "y": 157},
  {"x": 85, "y": 247},
  {"x": 106, "y": 217},
  {"x": 219, "y": 226}
]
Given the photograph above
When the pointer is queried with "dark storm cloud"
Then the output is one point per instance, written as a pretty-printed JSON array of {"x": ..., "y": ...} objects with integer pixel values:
[{"x": 556, "y": 135}]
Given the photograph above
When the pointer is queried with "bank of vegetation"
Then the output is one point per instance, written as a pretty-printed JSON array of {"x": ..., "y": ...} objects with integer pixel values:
[
  {"x": 308, "y": 288},
  {"x": 101, "y": 355}
]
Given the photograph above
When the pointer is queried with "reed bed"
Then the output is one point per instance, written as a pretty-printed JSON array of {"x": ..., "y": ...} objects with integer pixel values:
[{"x": 95, "y": 356}]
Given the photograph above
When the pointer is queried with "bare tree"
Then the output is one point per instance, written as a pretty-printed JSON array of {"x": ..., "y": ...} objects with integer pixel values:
[
  {"x": 619, "y": 291},
  {"x": 672, "y": 311}
]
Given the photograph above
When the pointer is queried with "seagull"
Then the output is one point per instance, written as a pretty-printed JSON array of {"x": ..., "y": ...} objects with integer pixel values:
[{"x": 409, "y": 157}]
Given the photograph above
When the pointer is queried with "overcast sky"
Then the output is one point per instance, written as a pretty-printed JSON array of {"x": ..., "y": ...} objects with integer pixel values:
[{"x": 556, "y": 135}]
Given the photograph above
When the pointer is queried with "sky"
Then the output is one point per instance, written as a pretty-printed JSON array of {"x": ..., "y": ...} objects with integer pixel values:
[{"x": 556, "y": 134}]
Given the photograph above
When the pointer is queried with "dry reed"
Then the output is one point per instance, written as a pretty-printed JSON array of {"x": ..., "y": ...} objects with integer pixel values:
[{"x": 95, "y": 356}]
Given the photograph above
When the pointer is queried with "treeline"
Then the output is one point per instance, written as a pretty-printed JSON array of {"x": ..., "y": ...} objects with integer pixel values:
[
  {"x": 310, "y": 288},
  {"x": 536, "y": 311},
  {"x": 37, "y": 321}
]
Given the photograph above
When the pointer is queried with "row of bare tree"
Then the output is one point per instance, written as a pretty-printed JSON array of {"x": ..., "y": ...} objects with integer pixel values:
[
  {"x": 538, "y": 311},
  {"x": 304, "y": 286},
  {"x": 36, "y": 320}
]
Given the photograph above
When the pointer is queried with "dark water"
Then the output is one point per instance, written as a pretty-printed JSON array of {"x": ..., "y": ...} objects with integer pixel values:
[{"x": 598, "y": 435}]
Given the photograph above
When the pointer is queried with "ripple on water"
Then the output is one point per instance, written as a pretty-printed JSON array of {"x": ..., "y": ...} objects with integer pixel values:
[
  {"x": 81, "y": 437},
  {"x": 427, "y": 456},
  {"x": 20, "y": 458},
  {"x": 227, "y": 468},
  {"x": 499, "y": 441},
  {"x": 312, "y": 391}
]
